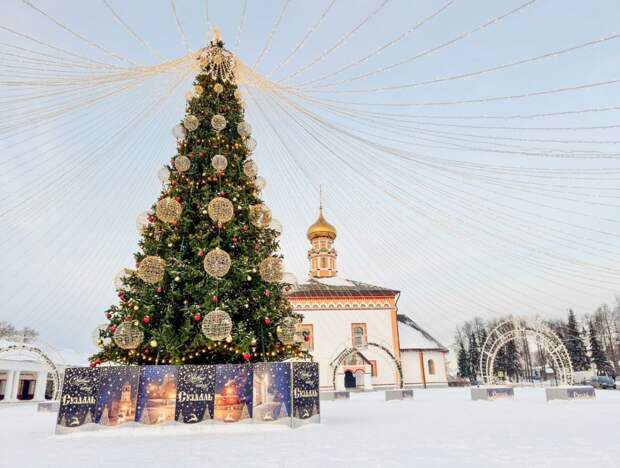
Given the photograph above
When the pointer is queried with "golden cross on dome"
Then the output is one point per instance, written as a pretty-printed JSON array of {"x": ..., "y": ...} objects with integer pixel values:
[{"x": 320, "y": 197}]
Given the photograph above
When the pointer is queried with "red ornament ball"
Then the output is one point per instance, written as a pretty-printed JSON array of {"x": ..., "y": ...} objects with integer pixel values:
[
  {"x": 146, "y": 319},
  {"x": 267, "y": 321},
  {"x": 113, "y": 328},
  {"x": 159, "y": 290},
  {"x": 178, "y": 199},
  {"x": 306, "y": 338},
  {"x": 246, "y": 356},
  {"x": 244, "y": 228},
  {"x": 214, "y": 299},
  {"x": 267, "y": 293},
  {"x": 201, "y": 253},
  {"x": 197, "y": 317}
]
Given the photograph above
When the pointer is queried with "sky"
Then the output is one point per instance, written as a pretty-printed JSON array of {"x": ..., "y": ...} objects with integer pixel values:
[{"x": 456, "y": 244}]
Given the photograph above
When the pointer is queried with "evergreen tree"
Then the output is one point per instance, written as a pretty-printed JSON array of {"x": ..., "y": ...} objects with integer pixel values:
[
  {"x": 575, "y": 345},
  {"x": 208, "y": 286},
  {"x": 597, "y": 355},
  {"x": 463, "y": 361},
  {"x": 513, "y": 361},
  {"x": 474, "y": 356}
]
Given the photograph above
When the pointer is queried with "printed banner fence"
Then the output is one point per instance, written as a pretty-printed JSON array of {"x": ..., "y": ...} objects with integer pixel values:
[{"x": 266, "y": 392}]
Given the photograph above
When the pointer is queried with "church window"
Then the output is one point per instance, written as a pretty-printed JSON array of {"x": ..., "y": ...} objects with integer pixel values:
[
  {"x": 323, "y": 262},
  {"x": 323, "y": 244},
  {"x": 431, "y": 367},
  {"x": 373, "y": 367},
  {"x": 358, "y": 331}
]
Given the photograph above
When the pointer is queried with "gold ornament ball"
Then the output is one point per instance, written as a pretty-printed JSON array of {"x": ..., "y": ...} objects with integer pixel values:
[
  {"x": 260, "y": 183},
  {"x": 182, "y": 163},
  {"x": 250, "y": 169},
  {"x": 250, "y": 144},
  {"x": 168, "y": 210},
  {"x": 218, "y": 88},
  {"x": 288, "y": 330},
  {"x": 151, "y": 269},
  {"x": 218, "y": 122},
  {"x": 238, "y": 95},
  {"x": 260, "y": 216},
  {"x": 198, "y": 90},
  {"x": 220, "y": 209},
  {"x": 191, "y": 122},
  {"x": 216, "y": 325},
  {"x": 271, "y": 269},
  {"x": 128, "y": 336},
  {"x": 244, "y": 129},
  {"x": 219, "y": 162},
  {"x": 229, "y": 339},
  {"x": 217, "y": 263},
  {"x": 153, "y": 343}
]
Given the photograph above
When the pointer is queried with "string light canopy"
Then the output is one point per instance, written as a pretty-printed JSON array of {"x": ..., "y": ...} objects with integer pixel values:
[{"x": 521, "y": 166}]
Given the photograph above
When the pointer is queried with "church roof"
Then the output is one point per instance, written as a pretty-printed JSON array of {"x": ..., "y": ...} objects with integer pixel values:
[
  {"x": 413, "y": 336},
  {"x": 336, "y": 286}
]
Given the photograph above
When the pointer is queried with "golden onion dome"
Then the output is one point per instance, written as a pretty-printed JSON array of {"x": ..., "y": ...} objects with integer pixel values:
[{"x": 321, "y": 228}]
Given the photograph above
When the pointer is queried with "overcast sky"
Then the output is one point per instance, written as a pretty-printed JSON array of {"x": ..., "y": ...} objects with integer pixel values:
[{"x": 74, "y": 187}]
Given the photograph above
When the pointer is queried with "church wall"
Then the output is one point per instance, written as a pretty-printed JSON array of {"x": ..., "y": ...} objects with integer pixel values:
[
  {"x": 412, "y": 374},
  {"x": 333, "y": 334}
]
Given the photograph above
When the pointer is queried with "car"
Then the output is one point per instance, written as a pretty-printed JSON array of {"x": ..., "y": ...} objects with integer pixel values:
[{"x": 603, "y": 382}]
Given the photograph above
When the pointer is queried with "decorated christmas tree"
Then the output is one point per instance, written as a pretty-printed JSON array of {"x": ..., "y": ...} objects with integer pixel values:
[{"x": 209, "y": 285}]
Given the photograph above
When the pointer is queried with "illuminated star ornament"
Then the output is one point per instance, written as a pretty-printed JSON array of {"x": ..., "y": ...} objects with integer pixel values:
[{"x": 216, "y": 62}]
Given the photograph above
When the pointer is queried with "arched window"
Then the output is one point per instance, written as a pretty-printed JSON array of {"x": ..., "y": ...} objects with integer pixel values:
[
  {"x": 359, "y": 334},
  {"x": 323, "y": 262},
  {"x": 431, "y": 367}
]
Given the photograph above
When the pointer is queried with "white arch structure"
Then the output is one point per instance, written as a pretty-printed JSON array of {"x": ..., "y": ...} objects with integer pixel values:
[
  {"x": 31, "y": 349},
  {"x": 508, "y": 331}
]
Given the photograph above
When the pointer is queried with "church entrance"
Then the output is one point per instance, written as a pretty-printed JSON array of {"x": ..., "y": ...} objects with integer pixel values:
[{"x": 349, "y": 380}]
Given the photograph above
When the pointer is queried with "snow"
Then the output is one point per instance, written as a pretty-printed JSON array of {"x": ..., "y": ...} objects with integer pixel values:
[
  {"x": 62, "y": 357},
  {"x": 334, "y": 281},
  {"x": 410, "y": 338},
  {"x": 440, "y": 427}
]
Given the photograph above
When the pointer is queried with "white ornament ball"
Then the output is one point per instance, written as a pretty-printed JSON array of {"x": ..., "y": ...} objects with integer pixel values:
[
  {"x": 178, "y": 131},
  {"x": 164, "y": 175}
]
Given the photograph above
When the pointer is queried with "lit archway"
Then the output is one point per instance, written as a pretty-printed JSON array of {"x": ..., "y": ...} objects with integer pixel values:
[
  {"x": 508, "y": 331},
  {"x": 348, "y": 351},
  {"x": 39, "y": 355}
]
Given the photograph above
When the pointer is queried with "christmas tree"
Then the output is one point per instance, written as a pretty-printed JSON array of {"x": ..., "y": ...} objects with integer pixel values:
[
  {"x": 575, "y": 345},
  {"x": 208, "y": 285},
  {"x": 597, "y": 354}
]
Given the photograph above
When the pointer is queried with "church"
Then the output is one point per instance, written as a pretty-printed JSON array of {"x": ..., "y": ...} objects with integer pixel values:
[{"x": 355, "y": 331}]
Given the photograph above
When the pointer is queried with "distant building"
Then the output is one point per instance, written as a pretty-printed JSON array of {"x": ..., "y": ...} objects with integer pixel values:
[
  {"x": 354, "y": 331},
  {"x": 26, "y": 370}
]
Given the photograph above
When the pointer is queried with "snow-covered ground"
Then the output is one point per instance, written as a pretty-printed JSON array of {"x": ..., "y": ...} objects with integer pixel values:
[{"x": 441, "y": 427}]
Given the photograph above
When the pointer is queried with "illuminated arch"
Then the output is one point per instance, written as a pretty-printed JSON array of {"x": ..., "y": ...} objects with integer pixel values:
[
  {"x": 39, "y": 355},
  {"x": 508, "y": 331},
  {"x": 348, "y": 351}
]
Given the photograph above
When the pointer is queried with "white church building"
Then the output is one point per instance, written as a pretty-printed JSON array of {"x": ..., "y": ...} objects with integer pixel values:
[
  {"x": 355, "y": 331},
  {"x": 33, "y": 371}
]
